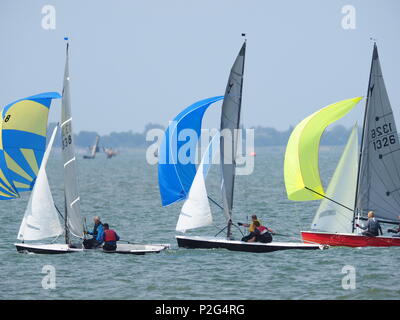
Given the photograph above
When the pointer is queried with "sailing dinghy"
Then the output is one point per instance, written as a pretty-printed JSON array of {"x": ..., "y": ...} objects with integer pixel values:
[
  {"x": 365, "y": 179},
  {"x": 179, "y": 180},
  {"x": 41, "y": 219},
  {"x": 93, "y": 149}
]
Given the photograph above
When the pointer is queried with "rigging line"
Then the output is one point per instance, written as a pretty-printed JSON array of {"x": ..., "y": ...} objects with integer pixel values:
[
  {"x": 381, "y": 221},
  {"x": 221, "y": 230},
  {"x": 215, "y": 202},
  {"x": 340, "y": 204},
  {"x": 59, "y": 212},
  {"x": 238, "y": 228}
]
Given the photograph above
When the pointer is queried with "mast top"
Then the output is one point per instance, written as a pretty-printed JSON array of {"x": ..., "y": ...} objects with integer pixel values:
[{"x": 244, "y": 36}]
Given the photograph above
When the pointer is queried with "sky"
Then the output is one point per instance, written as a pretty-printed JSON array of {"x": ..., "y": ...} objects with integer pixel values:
[{"x": 133, "y": 62}]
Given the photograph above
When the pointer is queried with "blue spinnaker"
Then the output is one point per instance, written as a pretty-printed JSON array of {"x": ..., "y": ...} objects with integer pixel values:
[{"x": 175, "y": 176}]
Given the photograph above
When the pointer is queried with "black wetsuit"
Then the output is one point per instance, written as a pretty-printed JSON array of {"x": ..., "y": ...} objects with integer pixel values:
[{"x": 266, "y": 237}]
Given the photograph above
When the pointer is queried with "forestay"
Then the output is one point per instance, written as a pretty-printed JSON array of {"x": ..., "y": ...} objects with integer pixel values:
[
  {"x": 73, "y": 214},
  {"x": 301, "y": 169},
  {"x": 41, "y": 217},
  {"x": 175, "y": 177},
  {"x": 196, "y": 211},
  {"x": 379, "y": 177},
  {"x": 330, "y": 216}
]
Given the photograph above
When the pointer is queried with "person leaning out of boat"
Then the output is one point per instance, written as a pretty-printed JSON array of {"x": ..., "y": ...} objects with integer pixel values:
[
  {"x": 110, "y": 238},
  {"x": 395, "y": 230},
  {"x": 251, "y": 226},
  {"x": 260, "y": 234},
  {"x": 97, "y": 235},
  {"x": 373, "y": 228}
]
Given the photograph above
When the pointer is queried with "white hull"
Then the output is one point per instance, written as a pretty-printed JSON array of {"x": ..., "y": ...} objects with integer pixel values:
[
  {"x": 57, "y": 248},
  {"x": 198, "y": 242},
  {"x": 52, "y": 248}
]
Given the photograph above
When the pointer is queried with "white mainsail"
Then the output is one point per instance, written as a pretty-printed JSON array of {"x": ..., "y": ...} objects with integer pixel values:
[
  {"x": 196, "y": 211},
  {"x": 331, "y": 217},
  {"x": 72, "y": 207},
  {"x": 41, "y": 217}
]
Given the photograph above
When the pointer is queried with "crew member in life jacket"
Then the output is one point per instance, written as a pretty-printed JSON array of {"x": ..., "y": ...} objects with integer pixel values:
[
  {"x": 373, "y": 228},
  {"x": 260, "y": 234},
  {"x": 251, "y": 226},
  {"x": 110, "y": 238},
  {"x": 395, "y": 230},
  {"x": 97, "y": 235}
]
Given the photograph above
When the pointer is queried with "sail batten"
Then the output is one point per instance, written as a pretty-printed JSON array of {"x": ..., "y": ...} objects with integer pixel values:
[{"x": 378, "y": 186}]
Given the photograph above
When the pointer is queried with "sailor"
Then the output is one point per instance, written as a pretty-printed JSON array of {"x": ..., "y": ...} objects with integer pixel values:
[
  {"x": 395, "y": 230},
  {"x": 260, "y": 234},
  {"x": 110, "y": 238},
  {"x": 97, "y": 235},
  {"x": 251, "y": 226},
  {"x": 373, "y": 228}
]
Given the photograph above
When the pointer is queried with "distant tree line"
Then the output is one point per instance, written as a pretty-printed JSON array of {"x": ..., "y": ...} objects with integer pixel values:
[{"x": 263, "y": 136}]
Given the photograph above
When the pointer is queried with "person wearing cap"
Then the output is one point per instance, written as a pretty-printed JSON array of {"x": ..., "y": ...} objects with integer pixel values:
[
  {"x": 97, "y": 235},
  {"x": 373, "y": 228}
]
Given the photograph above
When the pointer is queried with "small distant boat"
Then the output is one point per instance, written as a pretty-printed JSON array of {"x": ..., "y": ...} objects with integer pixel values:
[
  {"x": 182, "y": 181},
  {"x": 93, "y": 149},
  {"x": 110, "y": 152},
  {"x": 365, "y": 179}
]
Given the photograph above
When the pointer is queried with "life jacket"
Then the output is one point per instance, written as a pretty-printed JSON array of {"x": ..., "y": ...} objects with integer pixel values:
[
  {"x": 110, "y": 235},
  {"x": 262, "y": 229},
  {"x": 252, "y": 226}
]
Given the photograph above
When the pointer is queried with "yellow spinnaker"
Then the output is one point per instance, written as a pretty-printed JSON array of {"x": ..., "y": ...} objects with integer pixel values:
[{"x": 301, "y": 157}]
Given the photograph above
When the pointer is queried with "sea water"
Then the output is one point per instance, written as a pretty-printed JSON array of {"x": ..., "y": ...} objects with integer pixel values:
[{"x": 123, "y": 191}]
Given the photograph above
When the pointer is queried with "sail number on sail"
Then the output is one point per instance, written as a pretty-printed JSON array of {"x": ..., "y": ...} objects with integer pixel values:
[
  {"x": 381, "y": 136},
  {"x": 66, "y": 135}
]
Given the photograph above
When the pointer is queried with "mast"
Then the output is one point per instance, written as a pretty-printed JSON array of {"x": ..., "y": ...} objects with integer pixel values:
[
  {"x": 362, "y": 141},
  {"x": 230, "y": 121}
]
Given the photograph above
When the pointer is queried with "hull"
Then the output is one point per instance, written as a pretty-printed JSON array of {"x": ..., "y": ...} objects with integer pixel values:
[
  {"x": 53, "y": 248},
  {"x": 349, "y": 240},
  {"x": 197, "y": 242},
  {"x": 138, "y": 249}
]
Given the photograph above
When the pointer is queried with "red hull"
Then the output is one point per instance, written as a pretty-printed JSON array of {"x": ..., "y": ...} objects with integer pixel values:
[{"x": 349, "y": 240}]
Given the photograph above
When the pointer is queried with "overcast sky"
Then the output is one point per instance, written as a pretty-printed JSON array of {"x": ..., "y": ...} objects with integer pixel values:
[{"x": 134, "y": 62}]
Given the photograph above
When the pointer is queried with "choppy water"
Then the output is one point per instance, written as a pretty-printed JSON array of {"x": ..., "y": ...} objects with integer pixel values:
[{"x": 124, "y": 192}]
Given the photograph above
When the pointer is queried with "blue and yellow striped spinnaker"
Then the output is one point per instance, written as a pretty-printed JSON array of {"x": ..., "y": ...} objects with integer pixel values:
[{"x": 23, "y": 142}]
